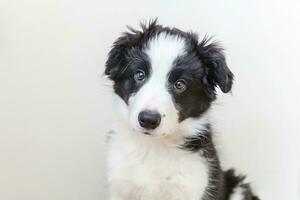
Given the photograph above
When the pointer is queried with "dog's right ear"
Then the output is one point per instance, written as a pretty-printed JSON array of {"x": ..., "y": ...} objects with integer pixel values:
[{"x": 117, "y": 56}]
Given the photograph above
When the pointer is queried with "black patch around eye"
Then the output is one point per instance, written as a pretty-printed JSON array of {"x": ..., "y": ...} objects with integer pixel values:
[
  {"x": 193, "y": 101},
  {"x": 126, "y": 85}
]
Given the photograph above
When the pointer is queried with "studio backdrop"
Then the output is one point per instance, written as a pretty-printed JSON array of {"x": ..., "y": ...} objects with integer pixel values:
[{"x": 56, "y": 107}]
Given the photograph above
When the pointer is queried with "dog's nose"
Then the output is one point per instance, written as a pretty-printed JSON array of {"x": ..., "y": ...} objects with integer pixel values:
[{"x": 149, "y": 119}]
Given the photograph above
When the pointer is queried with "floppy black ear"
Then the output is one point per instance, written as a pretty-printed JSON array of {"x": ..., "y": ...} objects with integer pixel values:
[
  {"x": 116, "y": 61},
  {"x": 117, "y": 56},
  {"x": 218, "y": 74}
]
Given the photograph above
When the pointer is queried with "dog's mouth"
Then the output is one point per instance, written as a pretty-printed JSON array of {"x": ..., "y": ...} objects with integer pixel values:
[
  {"x": 151, "y": 133},
  {"x": 144, "y": 132},
  {"x": 155, "y": 135}
]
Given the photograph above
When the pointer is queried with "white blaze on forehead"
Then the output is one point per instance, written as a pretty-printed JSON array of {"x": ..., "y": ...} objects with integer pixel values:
[{"x": 162, "y": 50}]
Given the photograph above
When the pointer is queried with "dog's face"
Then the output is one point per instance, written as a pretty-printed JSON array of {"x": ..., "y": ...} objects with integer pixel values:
[{"x": 165, "y": 77}]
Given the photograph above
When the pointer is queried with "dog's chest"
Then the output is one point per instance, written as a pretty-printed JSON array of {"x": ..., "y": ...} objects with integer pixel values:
[{"x": 139, "y": 170}]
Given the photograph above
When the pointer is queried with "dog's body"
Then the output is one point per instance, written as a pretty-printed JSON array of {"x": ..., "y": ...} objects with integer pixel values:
[
  {"x": 141, "y": 169},
  {"x": 161, "y": 147}
]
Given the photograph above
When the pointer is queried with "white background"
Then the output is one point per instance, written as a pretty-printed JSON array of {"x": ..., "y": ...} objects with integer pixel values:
[{"x": 55, "y": 109}]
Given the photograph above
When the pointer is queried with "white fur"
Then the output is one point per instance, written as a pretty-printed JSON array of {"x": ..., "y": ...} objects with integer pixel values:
[
  {"x": 162, "y": 50},
  {"x": 143, "y": 167},
  {"x": 237, "y": 194}
]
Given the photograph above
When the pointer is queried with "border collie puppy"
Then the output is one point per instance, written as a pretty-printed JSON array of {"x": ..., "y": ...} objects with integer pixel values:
[{"x": 161, "y": 146}]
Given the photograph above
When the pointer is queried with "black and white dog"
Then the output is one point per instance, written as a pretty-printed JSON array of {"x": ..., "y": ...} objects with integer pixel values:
[{"x": 161, "y": 147}]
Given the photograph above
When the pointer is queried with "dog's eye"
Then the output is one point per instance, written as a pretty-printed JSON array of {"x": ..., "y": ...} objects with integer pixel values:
[
  {"x": 139, "y": 75},
  {"x": 180, "y": 85}
]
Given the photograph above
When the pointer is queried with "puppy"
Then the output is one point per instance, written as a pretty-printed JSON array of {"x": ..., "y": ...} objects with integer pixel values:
[{"x": 161, "y": 146}]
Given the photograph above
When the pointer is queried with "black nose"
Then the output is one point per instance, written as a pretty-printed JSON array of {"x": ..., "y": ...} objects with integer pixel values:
[{"x": 149, "y": 119}]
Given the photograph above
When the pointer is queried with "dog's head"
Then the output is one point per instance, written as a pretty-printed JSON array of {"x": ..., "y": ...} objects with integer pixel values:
[{"x": 166, "y": 76}]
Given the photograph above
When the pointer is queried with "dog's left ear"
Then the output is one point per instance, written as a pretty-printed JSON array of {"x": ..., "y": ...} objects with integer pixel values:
[{"x": 218, "y": 74}]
